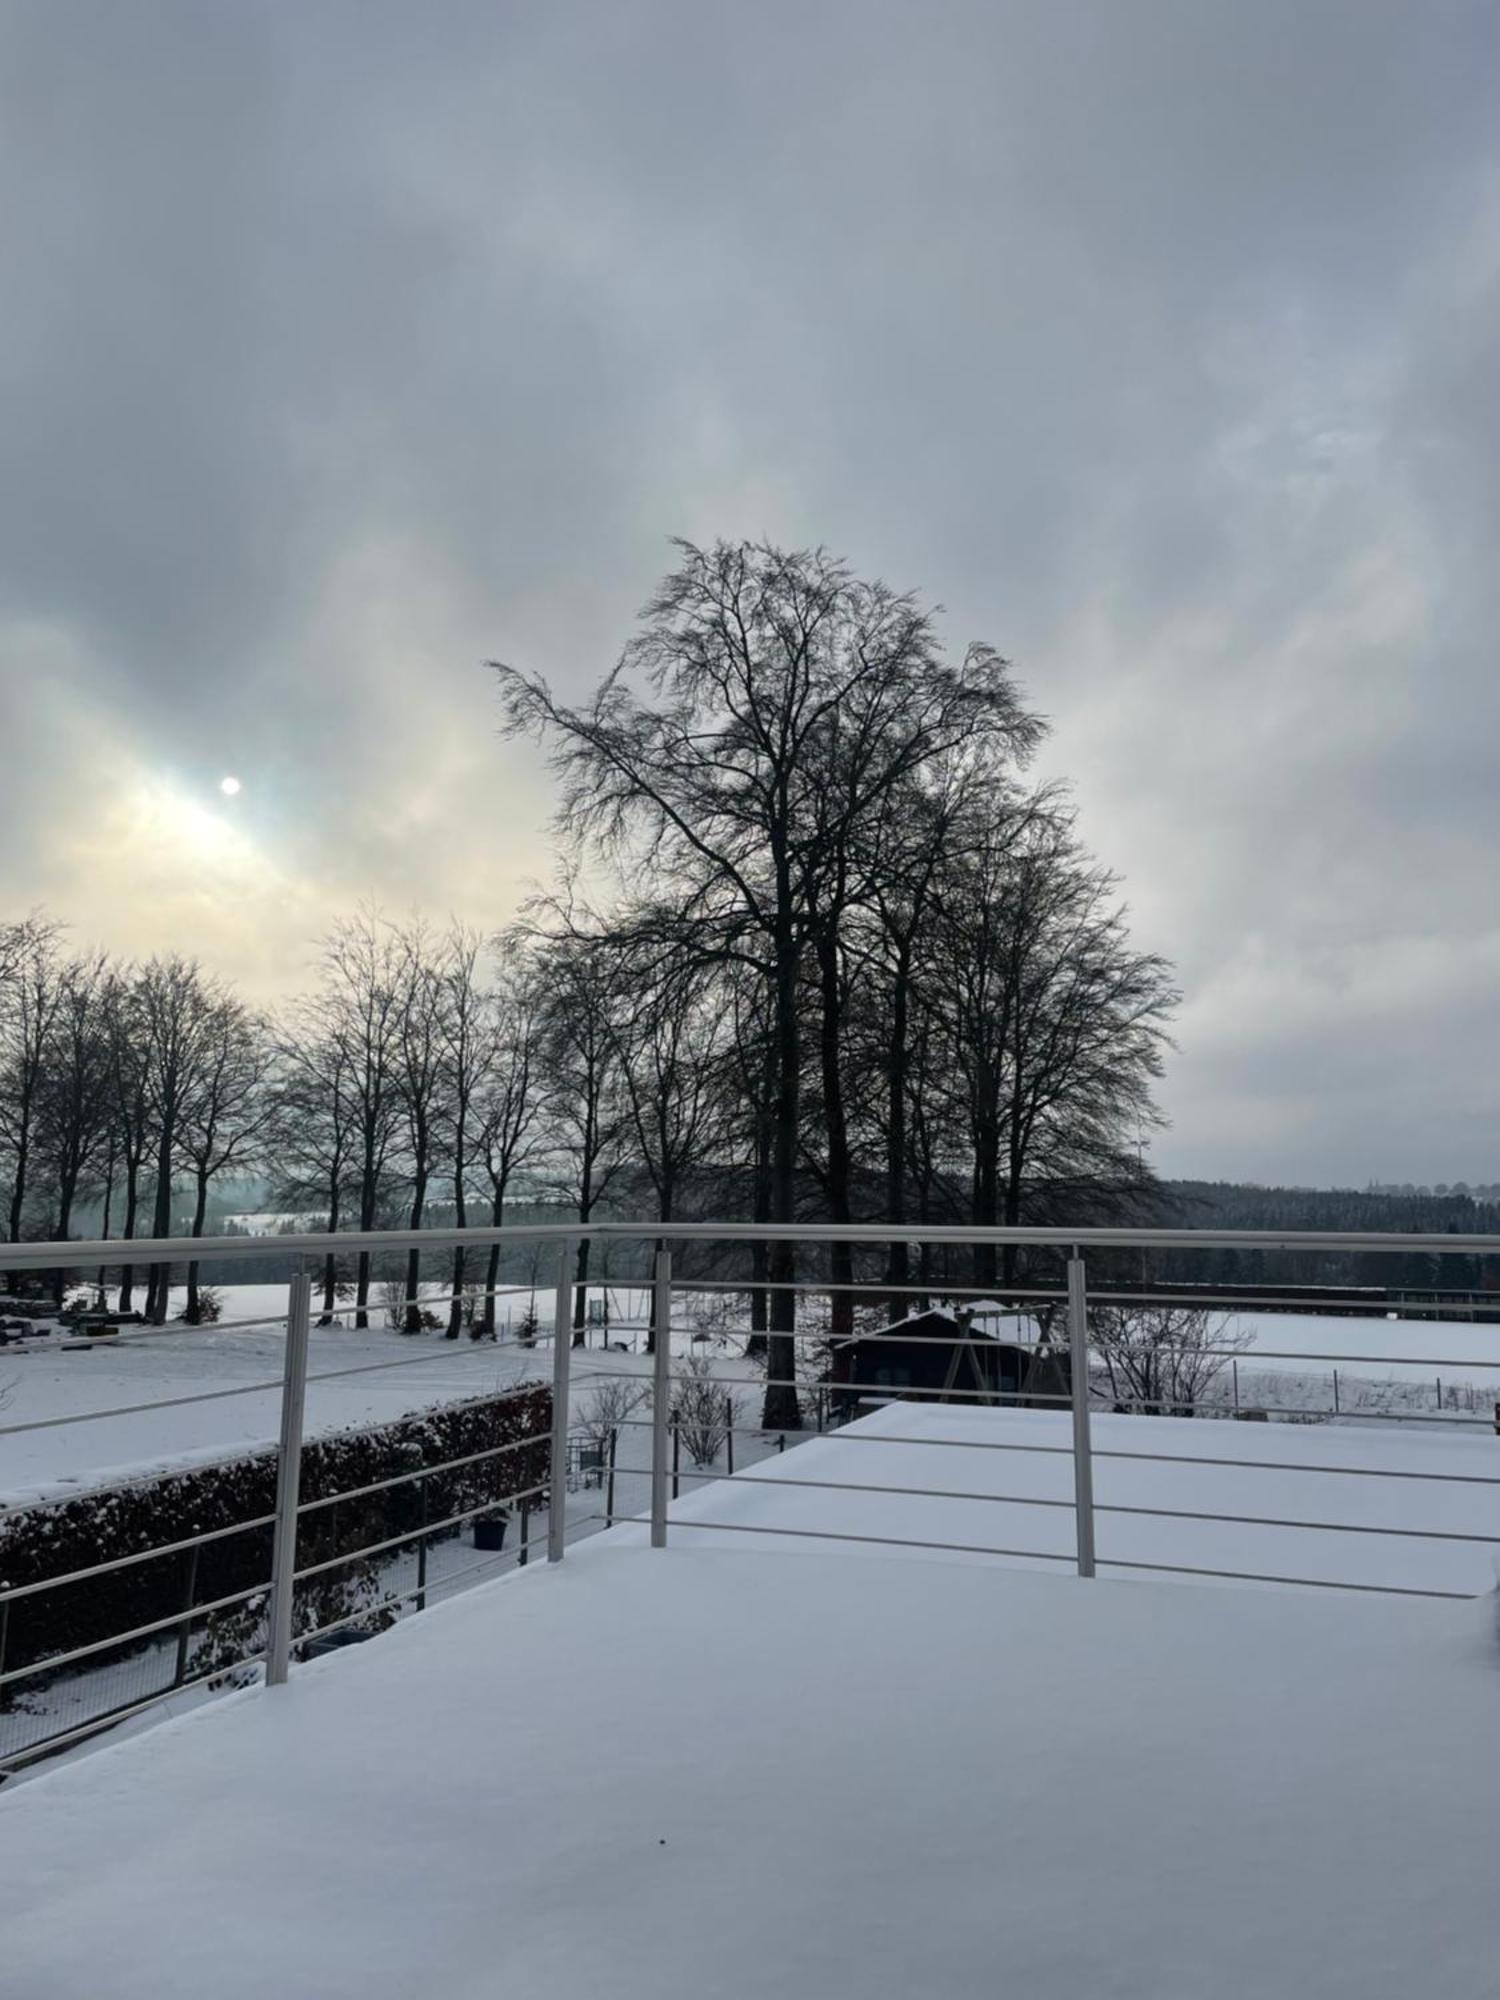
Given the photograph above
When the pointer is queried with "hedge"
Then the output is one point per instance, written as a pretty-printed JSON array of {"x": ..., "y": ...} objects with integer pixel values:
[{"x": 58, "y": 1537}]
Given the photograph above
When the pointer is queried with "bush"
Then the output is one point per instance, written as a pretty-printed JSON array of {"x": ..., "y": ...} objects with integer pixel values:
[
  {"x": 210, "y": 1308},
  {"x": 703, "y": 1410}
]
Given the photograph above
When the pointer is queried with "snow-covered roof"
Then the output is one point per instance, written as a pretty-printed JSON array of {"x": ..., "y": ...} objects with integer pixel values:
[
  {"x": 662, "y": 1774},
  {"x": 990, "y": 1498}
]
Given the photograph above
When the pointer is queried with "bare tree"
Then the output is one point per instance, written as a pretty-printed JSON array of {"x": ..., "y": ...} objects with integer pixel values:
[
  {"x": 130, "y": 1129},
  {"x": 359, "y": 1000},
  {"x": 176, "y": 1014},
  {"x": 466, "y": 1050},
  {"x": 420, "y": 1075},
  {"x": 704, "y": 1410},
  {"x": 578, "y": 1058},
  {"x": 1161, "y": 1361},
  {"x": 225, "y": 1120},
  {"x": 76, "y": 1099},
  {"x": 313, "y": 1127},
  {"x": 789, "y": 701},
  {"x": 506, "y": 1115},
  {"x": 30, "y": 998},
  {"x": 1055, "y": 1025}
]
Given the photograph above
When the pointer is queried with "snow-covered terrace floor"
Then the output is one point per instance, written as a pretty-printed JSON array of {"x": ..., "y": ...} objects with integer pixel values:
[{"x": 711, "y": 1772}]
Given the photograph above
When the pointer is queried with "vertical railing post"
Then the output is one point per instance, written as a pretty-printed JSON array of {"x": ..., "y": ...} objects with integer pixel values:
[
  {"x": 1083, "y": 1456},
  {"x": 288, "y": 1480},
  {"x": 661, "y": 1393},
  {"x": 562, "y": 1342}
]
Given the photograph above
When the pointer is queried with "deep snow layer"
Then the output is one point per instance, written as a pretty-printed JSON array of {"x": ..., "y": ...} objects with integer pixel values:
[
  {"x": 708, "y": 1773},
  {"x": 992, "y": 1480}
]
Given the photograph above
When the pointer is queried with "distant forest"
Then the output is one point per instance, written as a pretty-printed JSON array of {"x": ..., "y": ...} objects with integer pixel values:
[{"x": 1228, "y": 1205}]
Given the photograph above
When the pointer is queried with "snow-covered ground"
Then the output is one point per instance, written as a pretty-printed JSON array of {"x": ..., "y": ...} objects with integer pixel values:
[
  {"x": 1001, "y": 1481},
  {"x": 42, "y": 1383},
  {"x": 711, "y": 1772}
]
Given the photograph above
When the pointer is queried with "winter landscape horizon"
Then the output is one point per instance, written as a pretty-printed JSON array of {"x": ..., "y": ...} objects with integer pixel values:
[{"x": 749, "y": 1187}]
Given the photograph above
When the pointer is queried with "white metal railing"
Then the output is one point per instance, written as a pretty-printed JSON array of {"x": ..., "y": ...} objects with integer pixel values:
[{"x": 665, "y": 1473}]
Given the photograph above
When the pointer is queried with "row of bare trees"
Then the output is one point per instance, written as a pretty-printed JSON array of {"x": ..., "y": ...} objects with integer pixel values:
[
  {"x": 917, "y": 989},
  {"x": 843, "y": 960}
]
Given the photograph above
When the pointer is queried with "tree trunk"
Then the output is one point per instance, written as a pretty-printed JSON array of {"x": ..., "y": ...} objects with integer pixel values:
[
  {"x": 580, "y": 1282},
  {"x": 18, "y": 1192},
  {"x": 841, "y": 1255},
  {"x": 66, "y": 1195},
  {"x": 200, "y": 1209},
  {"x": 109, "y": 1189},
  {"x": 132, "y": 1208},
  {"x": 898, "y": 1258},
  {"x": 159, "y": 1277},
  {"x": 782, "y": 1412},
  {"x": 492, "y": 1266},
  {"x": 461, "y": 1220},
  {"x": 413, "y": 1311}
]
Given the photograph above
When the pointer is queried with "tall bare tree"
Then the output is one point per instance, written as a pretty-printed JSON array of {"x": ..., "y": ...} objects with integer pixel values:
[
  {"x": 176, "y": 1011},
  {"x": 225, "y": 1121},
  {"x": 30, "y": 998},
  {"x": 507, "y": 1113},
  {"x": 787, "y": 701},
  {"x": 76, "y": 1099},
  {"x": 361, "y": 976},
  {"x": 579, "y": 1064}
]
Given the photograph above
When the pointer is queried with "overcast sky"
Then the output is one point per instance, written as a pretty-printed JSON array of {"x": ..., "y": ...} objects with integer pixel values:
[{"x": 344, "y": 346}]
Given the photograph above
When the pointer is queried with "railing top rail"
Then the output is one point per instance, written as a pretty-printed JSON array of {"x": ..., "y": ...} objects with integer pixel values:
[{"x": 181, "y": 1249}]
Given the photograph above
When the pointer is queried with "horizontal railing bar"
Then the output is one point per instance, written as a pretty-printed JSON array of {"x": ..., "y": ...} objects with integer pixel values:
[
  {"x": 856, "y": 1486},
  {"x": 48, "y": 1746},
  {"x": 56, "y": 1660},
  {"x": 255, "y": 1389},
  {"x": 485, "y": 1353},
  {"x": 186, "y": 1249},
  {"x": 1380, "y": 1303},
  {"x": 1284, "y": 1465},
  {"x": 1305, "y": 1582},
  {"x": 9, "y": 1596},
  {"x": 137, "y": 1409},
  {"x": 417, "y": 1534},
  {"x": 851, "y": 1434},
  {"x": 1275, "y": 1521},
  {"x": 499, "y": 1563},
  {"x": 841, "y": 1535},
  {"x": 1100, "y": 1506}
]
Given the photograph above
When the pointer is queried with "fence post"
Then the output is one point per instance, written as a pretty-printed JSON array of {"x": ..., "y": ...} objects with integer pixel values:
[
  {"x": 1335, "y": 1392},
  {"x": 420, "y": 1599},
  {"x": 1083, "y": 1457},
  {"x": 185, "y": 1629},
  {"x": 661, "y": 1393},
  {"x": 288, "y": 1480},
  {"x": 562, "y": 1341}
]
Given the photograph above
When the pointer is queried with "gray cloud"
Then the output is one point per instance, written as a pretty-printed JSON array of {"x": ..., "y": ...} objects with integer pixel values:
[{"x": 348, "y": 344}]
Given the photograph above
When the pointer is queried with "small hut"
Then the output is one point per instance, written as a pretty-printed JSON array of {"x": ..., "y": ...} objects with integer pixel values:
[{"x": 941, "y": 1357}]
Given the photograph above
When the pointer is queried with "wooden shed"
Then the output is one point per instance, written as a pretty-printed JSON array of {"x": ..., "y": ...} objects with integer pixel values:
[{"x": 941, "y": 1357}]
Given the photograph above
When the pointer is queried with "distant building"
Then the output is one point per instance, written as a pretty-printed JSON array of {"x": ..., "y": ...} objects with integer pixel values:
[{"x": 942, "y": 1357}]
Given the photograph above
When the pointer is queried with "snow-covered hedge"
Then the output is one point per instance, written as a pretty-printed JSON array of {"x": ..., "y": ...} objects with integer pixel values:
[{"x": 55, "y": 1539}]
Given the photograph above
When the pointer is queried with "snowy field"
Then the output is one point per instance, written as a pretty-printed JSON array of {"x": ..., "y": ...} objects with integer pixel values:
[
  {"x": 42, "y": 1383},
  {"x": 1001, "y": 1481},
  {"x": 710, "y": 1772}
]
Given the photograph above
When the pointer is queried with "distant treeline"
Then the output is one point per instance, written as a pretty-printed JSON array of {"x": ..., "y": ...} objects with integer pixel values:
[{"x": 1227, "y": 1205}]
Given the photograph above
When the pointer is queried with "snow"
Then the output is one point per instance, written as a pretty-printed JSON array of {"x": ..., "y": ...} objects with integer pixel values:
[
  {"x": 46, "y": 1382},
  {"x": 708, "y": 1772},
  {"x": 967, "y": 1455}
]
